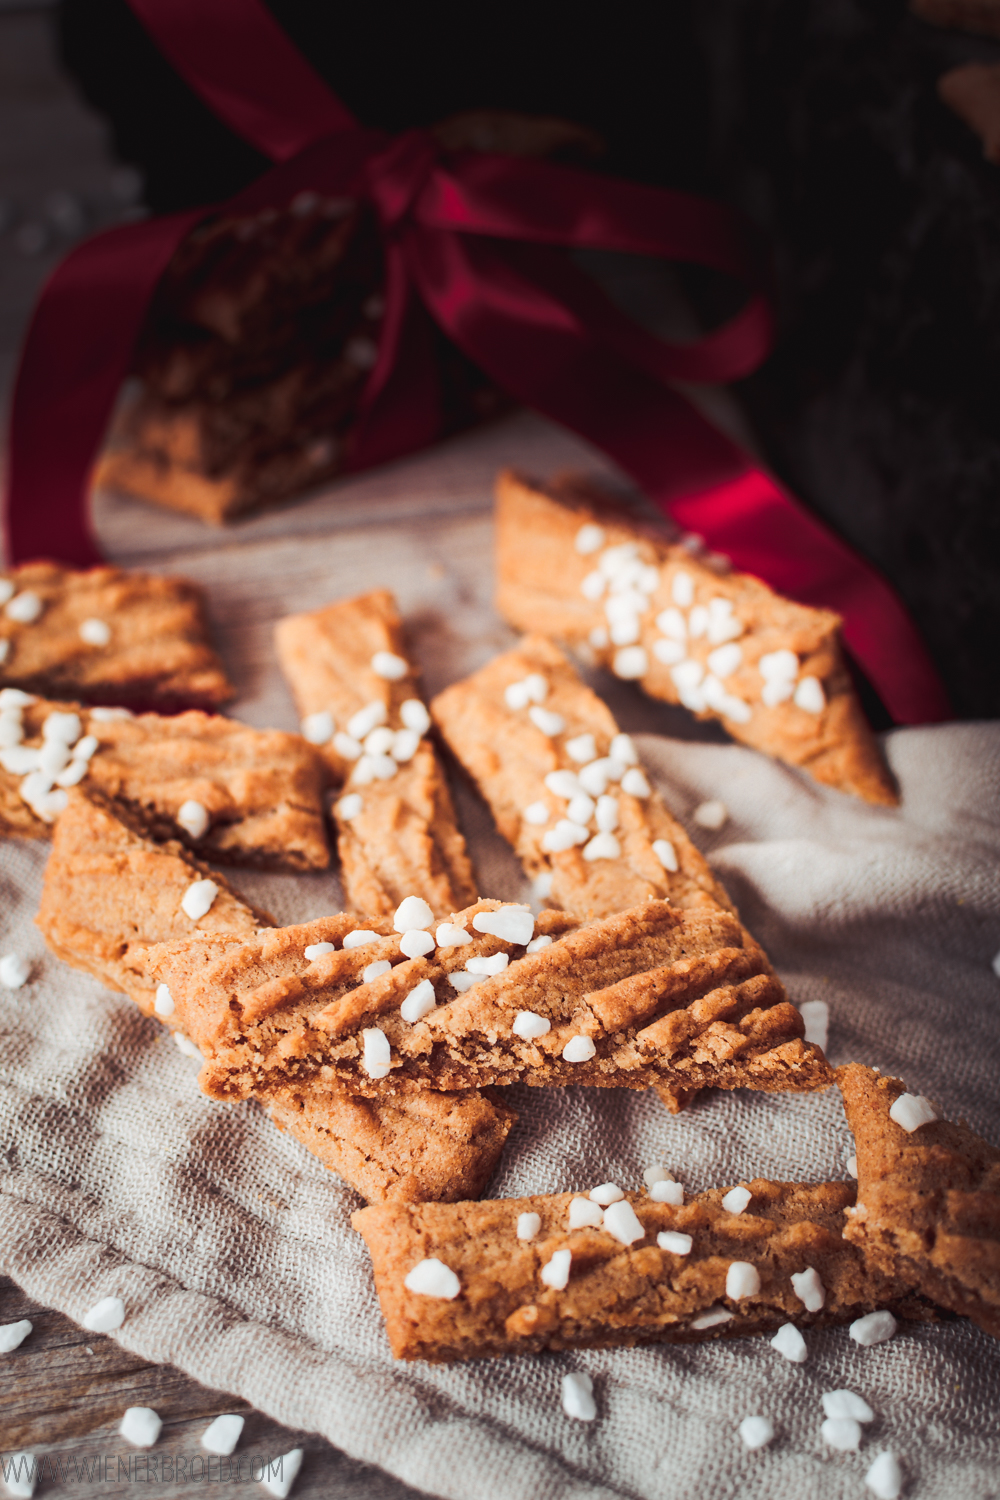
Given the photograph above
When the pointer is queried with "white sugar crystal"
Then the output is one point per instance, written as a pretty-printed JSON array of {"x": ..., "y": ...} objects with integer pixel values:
[
  {"x": 317, "y": 728},
  {"x": 414, "y": 715},
  {"x": 44, "y": 803},
  {"x": 24, "y": 608},
  {"x": 667, "y": 1192},
  {"x": 789, "y": 1342},
  {"x": 590, "y": 538},
  {"x": 910, "y": 1111},
  {"x": 578, "y": 1396},
  {"x": 839, "y": 1404},
  {"x": 545, "y": 720},
  {"x": 412, "y": 915},
  {"x": 198, "y": 899},
  {"x": 366, "y": 719},
  {"x": 736, "y": 709},
  {"x": 450, "y": 935},
  {"x": 852, "y": 1166},
  {"x": 873, "y": 1328},
  {"x": 164, "y": 1002},
  {"x": 656, "y": 1174},
  {"x": 602, "y": 846},
  {"x": 687, "y": 674},
  {"x": 222, "y": 1435},
  {"x": 432, "y": 1278},
  {"x": 682, "y": 589},
  {"x": 809, "y": 695},
  {"x": 536, "y": 813},
  {"x": 698, "y": 622},
  {"x": 14, "y": 972},
  {"x": 623, "y": 750},
  {"x": 712, "y": 814},
  {"x": 86, "y": 748},
  {"x": 380, "y": 741},
  {"x": 537, "y": 687},
  {"x": 492, "y": 965},
  {"x": 673, "y": 625},
  {"x": 634, "y": 783},
  {"x": 53, "y": 757},
  {"x": 674, "y": 1242},
  {"x": 563, "y": 784},
  {"x": 19, "y": 760},
  {"x": 349, "y": 807},
  {"x": 736, "y": 1200},
  {"x": 528, "y": 1226},
  {"x": 816, "y": 1019},
  {"x": 742, "y": 1280},
  {"x": 461, "y": 981},
  {"x": 541, "y": 886},
  {"x": 777, "y": 691},
  {"x": 11, "y": 730},
  {"x": 885, "y": 1477},
  {"x": 581, "y": 748},
  {"x": 666, "y": 854},
  {"x": 373, "y": 768},
  {"x": 185, "y": 1045},
  {"x": 111, "y": 715},
  {"x": 756, "y": 1432},
  {"x": 105, "y": 1316},
  {"x": 841, "y": 1433},
  {"x": 95, "y": 632},
  {"x": 579, "y": 1049},
  {"x": 140, "y": 1426},
  {"x": 585, "y": 1215},
  {"x": 615, "y": 559},
  {"x": 725, "y": 660},
  {"x": 418, "y": 1003},
  {"x": 416, "y": 943},
  {"x": 809, "y": 1289},
  {"x": 13, "y": 1334},
  {"x": 386, "y": 664},
  {"x": 64, "y": 728},
  {"x": 725, "y": 629},
  {"x": 594, "y": 777},
  {"x": 193, "y": 818},
  {"x": 515, "y": 696},
  {"x": 581, "y": 809},
  {"x": 592, "y": 586},
  {"x": 281, "y": 1473},
  {"x": 623, "y": 1223},
  {"x": 624, "y": 603},
  {"x": 373, "y": 971},
  {"x": 555, "y": 1272},
  {"x": 317, "y": 950},
  {"x": 346, "y": 746},
  {"x": 513, "y": 924},
  {"x": 376, "y": 1055},
  {"x": 537, "y": 944},
  {"x": 405, "y": 744},
  {"x": 606, "y": 813},
  {"x": 669, "y": 652},
  {"x": 11, "y": 698},
  {"x": 715, "y": 694},
  {"x": 711, "y": 1318},
  {"x": 605, "y": 1193},
  {"x": 630, "y": 663},
  {"x": 777, "y": 666},
  {"x": 528, "y": 1026},
  {"x": 625, "y": 632}
]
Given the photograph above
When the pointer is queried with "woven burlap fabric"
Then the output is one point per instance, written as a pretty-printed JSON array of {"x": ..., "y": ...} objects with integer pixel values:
[{"x": 231, "y": 1247}]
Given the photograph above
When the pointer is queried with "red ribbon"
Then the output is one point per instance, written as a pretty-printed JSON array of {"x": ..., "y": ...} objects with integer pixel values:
[{"x": 478, "y": 244}]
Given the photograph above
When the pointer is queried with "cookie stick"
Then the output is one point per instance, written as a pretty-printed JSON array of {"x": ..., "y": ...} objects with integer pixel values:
[{"x": 357, "y": 693}]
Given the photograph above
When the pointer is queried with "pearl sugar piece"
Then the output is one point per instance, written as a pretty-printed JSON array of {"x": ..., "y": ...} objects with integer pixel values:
[
  {"x": 95, "y": 632},
  {"x": 318, "y": 728},
  {"x": 140, "y": 1426},
  {"x": 432, "y": 1278},
  {"x": 414, "y": 715},
  {"x": 387, "y": 665},
  {"x": 193, "y": 818},
  {"x": 198, "y": 899},
  {"x": 412, "y": 914},
  {"x": 578, "y": 1396},
  {"x": 756, "y": 1432},
  {"x": 528, "y": 1226}
]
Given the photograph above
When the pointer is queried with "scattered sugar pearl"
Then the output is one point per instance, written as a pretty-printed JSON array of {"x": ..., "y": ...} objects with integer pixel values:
[
  {"x": 53, "y": 757},
  {"x": 779, "y": 666},
  {"x": 536, "y": 686},
  {"x": 185, "y": 1045},
  {"x": 288, "y": 1465},
  {"x": 885, "y": 1477},
  {"x": 595, "y": 777},
  {"x": 563, "y": 784},
  {"x": 606, "y": 1193},
  {"x": 349, "y": 807},
  {"x": 405, "y": 744},
  {"x": 873, "y": 1328},
  {"x": 698, "y": 622},
  {"x": 666, "y": 854},
  {"x": 528, "y": 1226},
  {"x": 581, "y": 809},
  {"x": 656, "y": 1174},
  {"x": 602, "y": 846},
  {"x": 19, "y": 759},
  {"x": 414, "y": 715},
  {"x": 515, "y": 695},
  {"x": 630, "y": 663},
  {"x": 373, "y": 768},
  {"x": 687, "y": 675},
  {"x": 585, "y": 1215},
  {"x": 675, "y": 1242},
  {"x": 669, "y": 652},
  {"x": 673, "y": 625},
  {"x": 581, "y": 748},
  {"x": 712, "y": 814},
  {"x": 380, "y": 741},
  {"x": 528, "y": 1026},
  {"x": 163, "y": 1005},
  {"x": 777, "y": 691},
  {"x": 742, "y": 1280},
  {"x": 537, "y": 944},
  {"x": 361, "y": 724},
  {"x": 450, "y": 935},
  {"x": 736, "y": 1200},
  {"x": 111, "y": 715},
  {"x": 105, "y": 1316},
  {"x": 86, "y": 748},
  {"x": 842, "y": 1433},
  {"x": 544, "y": 719},
  {"x": 756, "y": 1432},
  {"x": 578, "y": 1396},
  {"x": 317, "y": 728},
  {"x": 809, "y": 1289},
  {"x": 95, "y": 632},
  {"x": 62, "y": 728},
  {"x": 667, "y": 1192},
  {"x": 592, "y": 586},
  {"x": 555, "y": 1272},
  {"x": 590, "y": 538},
  {"x": 852, "y": 1166},
  {"x": 13, "y": 1334},
  {"x": 493, "y": 965},
  {"x": 910, "y": 1111},
  {"x": 24, "y": 608},
  {"x": 723, "y": 626},
  {"x": 541, "y": 887},
  {"x": 373, "y": 971},
  {"x": 682, "y": 589},
  {"x": 725, "y": 660},
  {"x": 840, "y": 1404},
  {"x": 789, "y": 1342},
  {"x": 623, "y": 750},
  {"x": 634, "y": 783},
  {"x": 140, "y": 1426},
  {"x": 360, "y": 936},
  {"x": 347, "y": 747},
  {"x": 193, "y": 818},
  {"x": 579, "y": 1049},
  {"x": 222, "y": 1435},
  {"x": 461, "y": 981},
  {"x": 419, "y": 1003},
  {"x": 512, "y": 924},
  {"x": 809, "y": 695},
  {"x": 711, "y": 1318},
  {"x": 623, "y": 1223},
  {"x": 376, "y": 1055},
  {"x": 390, "y": 666},
  {"x": 198, "y": 899},
  {"x": 412, "y": 915},
  {"x": 416, "y": 943},
  {"x": 317, "y": 950},
  {"x": 606, "y": 814},
  {"x": 625, "y": 632},
  {"x": 14, "y": 972},
  {"x": 11, "y": 730},
  {"x": 11, "y": 698},
  {"x": 816, "y": 1019},
  {"x": 536, "y": 813}
]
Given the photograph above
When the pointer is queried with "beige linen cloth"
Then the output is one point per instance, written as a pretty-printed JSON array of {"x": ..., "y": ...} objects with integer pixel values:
[{"x": 231, "y": 1246}]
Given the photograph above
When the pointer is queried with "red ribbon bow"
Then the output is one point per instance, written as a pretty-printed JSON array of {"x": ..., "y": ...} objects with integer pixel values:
[{"x": 478, "y": 244}]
